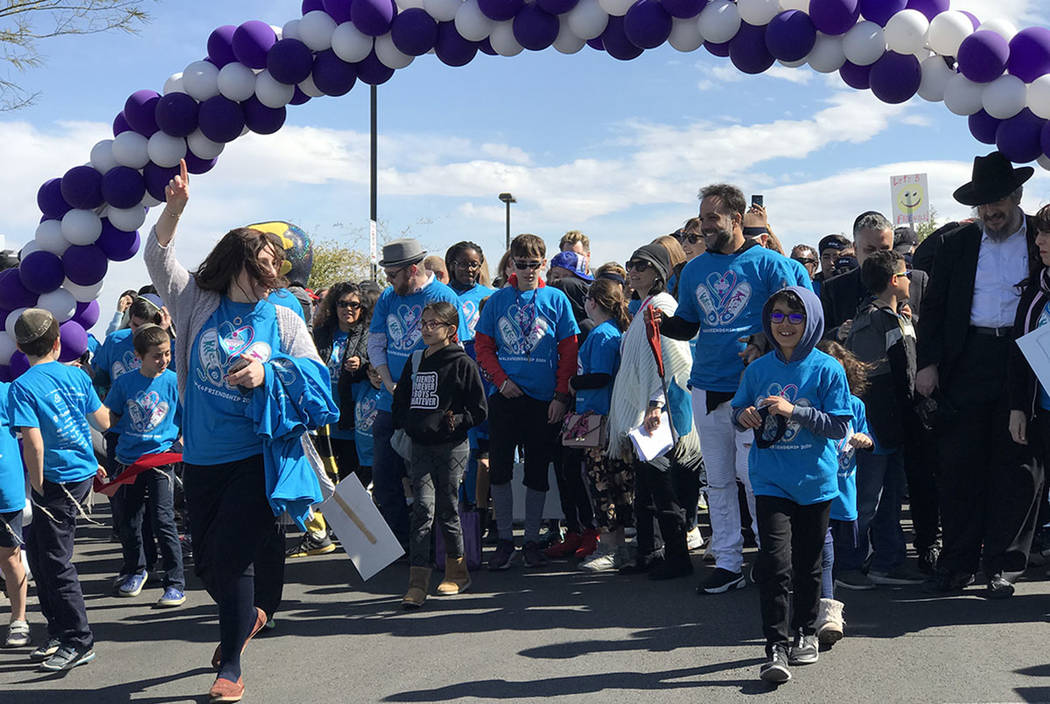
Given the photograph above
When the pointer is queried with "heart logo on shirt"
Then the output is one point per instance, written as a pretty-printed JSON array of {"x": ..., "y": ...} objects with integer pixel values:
[
  {"x": 234, "y": 340},
  {"x": 402, "y": 326},
  {"x": 470, "y": 314},
  {"x": 521, "y": 328},
  {"x": 147, "y": 411},
  {"x": 723, "y": 297},
  {"x": 790, "y": 392},
  {"x": 365, "y": 414}
]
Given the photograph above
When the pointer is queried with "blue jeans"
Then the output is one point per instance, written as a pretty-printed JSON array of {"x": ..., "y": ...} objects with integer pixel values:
[
  {"x": 827, "y": 566},
  {"x": 153, "y": 490},
  {"x": 387, "y": 471},
  {"x": 880, "y": 487}
]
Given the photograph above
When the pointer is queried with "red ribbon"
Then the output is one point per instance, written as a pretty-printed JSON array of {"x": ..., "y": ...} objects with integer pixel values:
[{"x": 129, "y": 475}]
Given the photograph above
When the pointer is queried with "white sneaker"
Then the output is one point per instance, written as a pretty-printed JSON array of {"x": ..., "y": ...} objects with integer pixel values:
[
  {"x": 693, "y": 539},
  {"x": 605, "y": 558},
  {"x": 830, "y": 623}
]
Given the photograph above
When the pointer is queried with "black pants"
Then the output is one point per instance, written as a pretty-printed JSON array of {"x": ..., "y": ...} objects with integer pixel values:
[
  {"x": 575, "y": 501},
  {"x": 654, "y": 496},
  {"x": 921, "y": 460},
  {"x": 521, "y": 421},
  {"x": 687, "y": 480},
  {"x": 345, "y": 452},
  {"x": 152, "y": 491},
  {"x": 50, "y": 556},
  {"x": 269, "y": 570},
  {"x": 792, "y": 538}
]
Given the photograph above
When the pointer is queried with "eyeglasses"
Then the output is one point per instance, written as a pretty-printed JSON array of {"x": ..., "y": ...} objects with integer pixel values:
[
  {"x": 637, "y": 265},
  {"x": 794, "y": 318},
  {"x": 806, "y": 260},
  {"x": 530, "y": 265},
  {"x": 905, "y": 274},
  {"x": 431, "y": 324},
  {"x": 471, "y": 266},
  {"x": 691, "y": 239},
  {"x": 391, "y": 274},
  {"x": 352, "y": 305}
]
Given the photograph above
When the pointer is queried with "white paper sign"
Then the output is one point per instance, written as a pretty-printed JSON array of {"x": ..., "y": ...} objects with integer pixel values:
[
  {"x": 366, "y": 538},
  {"x": 1036, "y": 349},
  {"x": 911, "y": 199},
  {"x": 649, "y": 447}
]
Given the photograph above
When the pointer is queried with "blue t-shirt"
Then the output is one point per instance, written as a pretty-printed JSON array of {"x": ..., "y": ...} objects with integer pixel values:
[
  {"x": 366, "y": 406},
  {"x": 600, "y": 354},
  {"x": 1044, "y": 398},
  {"x": 527, "y": 327},
  {"x": 802, "y": 277},
  {"x": 844, "y": 506},
  {"x": 12, "y": 476},
  {"x": 117, "y": 357},
  {"x": 335, "y": 368},
  {"x": 57, "y": 399},
  {"x": 470, "y": 307},
  {"x": 149, "y": 414},
  {"x": 284, "y": 297},
  {"x": 216, "y": 426},
  {"x": 800, "y": 466},
  {"x": 725, "y": 294},
  {"x": 397, "y": 317}
]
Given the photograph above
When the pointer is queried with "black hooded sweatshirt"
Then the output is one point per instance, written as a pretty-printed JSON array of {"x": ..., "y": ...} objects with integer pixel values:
[{"x": 446, "y": 380}]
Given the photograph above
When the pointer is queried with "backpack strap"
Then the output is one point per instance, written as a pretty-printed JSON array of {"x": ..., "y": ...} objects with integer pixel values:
[{"x": 417, "y": 357}]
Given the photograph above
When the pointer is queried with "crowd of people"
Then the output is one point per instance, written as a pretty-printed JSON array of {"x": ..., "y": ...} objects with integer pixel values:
[{"x": 802, "y": 397}]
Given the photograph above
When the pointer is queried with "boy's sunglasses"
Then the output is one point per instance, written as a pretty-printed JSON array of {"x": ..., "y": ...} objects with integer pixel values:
[
  {"x": 530, "y": 265},
  {"x": 637, "y": 265},
  {"x": 905, "y": 274},
  {"x": 793, "y": 318}
]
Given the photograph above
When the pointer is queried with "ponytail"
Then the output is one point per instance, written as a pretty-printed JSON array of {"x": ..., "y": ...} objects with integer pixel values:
[{"x": 608, "y": 295}]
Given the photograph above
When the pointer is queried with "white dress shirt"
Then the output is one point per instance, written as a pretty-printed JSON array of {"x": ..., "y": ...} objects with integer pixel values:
[{"x": 1001, "y": 265}]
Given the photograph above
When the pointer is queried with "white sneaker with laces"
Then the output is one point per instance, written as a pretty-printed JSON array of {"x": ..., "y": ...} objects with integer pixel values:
[
  {"x": 605, "y": 558},
  {"x": 693, "y": 539}
]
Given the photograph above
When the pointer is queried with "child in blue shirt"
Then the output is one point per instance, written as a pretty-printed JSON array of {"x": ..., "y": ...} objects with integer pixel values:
[
  {"x": 144, "y": 410},
  {"x": 12, "y": 503},
  {"x": 366, "y": 406},
  {"x": 52, "y": 405},
  {"x": 796, "y": 398}
]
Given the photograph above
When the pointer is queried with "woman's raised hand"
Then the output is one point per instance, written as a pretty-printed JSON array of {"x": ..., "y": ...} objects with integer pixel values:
[{"x": 177, "y": 192}]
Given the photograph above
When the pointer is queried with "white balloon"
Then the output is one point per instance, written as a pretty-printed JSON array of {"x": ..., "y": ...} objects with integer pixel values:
[
  {"x": 28, "y": 248},
  {"x": 1039, "y": 96},
  {"x": 408, "y": 4},
  {"x": 149, "y": 201},
  {"x": 503, "y": 40},
  {"x": 131, "y": 149},
  {"x": 315, "y": 30},
  {"x": 1004, "y": 97},
  {"x": 81, "y": 226},
  {"x": 685, "y": 35},
  {"x": 471, "y": 22},
  {"x": 947, "y": 31},
  {"x": 351, "y": 44},
  {"x": 127, "y": 219},
  {"x": 795, "y": 5},
  {"x": 389, "y": 55},
  {"x": 616, "y": 8},
  {"x": 271, "y": 92},
  {"x": 793, "y": 64},
  {"x": 60, "y": 302},
  {"x": 49, "y": 237},
  {"x": 174, "y": 84},
  {"x": 201, "y": 80},
  {"x": 442, "y": 10},
  {"x": 236, "y": 82},
  {"x": 9, "y": 323},
  {"x": 962, "y": 96},
  {"x": 310, "y": 88},
  {"x": 719, "y": 21},
  {"x": 1044, "y": 161},
  {"x": 566, "y": 42},
  {"x": 291, "y": 30},
  {"x": 906, "y": 32},
  {"x": 83, "y": 294},
  {"x": 102, "y": 158},
  {"x": 587, "y": 19},
  {"x": 1001, "y": 26},
  {"x": 202, "y": 147},
  {"x": 935, "y": 77},
  {"x": 7, "y": 348},
  {"x": 864, "y": 43},
  {"x": 827, "y": 55},
  {"x": 279, "y": 31},
  {"x": 165, "y": 150},
  {"x": 758, "y": 12}
]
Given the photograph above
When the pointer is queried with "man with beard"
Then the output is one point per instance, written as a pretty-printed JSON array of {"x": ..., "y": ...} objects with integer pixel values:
[
  {"x": 721, "y": 295},
  {"x": 964, "y": 342}
]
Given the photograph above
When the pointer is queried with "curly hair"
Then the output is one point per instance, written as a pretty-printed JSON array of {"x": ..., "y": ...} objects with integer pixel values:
[
  {"x": 856, "y": 370},
  {"x": 326, "y": 315}
]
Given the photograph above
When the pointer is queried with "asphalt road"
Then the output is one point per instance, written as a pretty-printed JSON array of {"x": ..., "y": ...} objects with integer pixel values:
[{"x": 553, "y": 634}]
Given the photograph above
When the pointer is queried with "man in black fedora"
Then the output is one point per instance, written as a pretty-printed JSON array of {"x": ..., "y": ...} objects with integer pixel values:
[{"x": 963, "y": 344}]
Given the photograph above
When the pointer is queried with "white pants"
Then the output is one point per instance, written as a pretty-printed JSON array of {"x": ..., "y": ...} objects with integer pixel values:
[{"x": 725, "y": 456}]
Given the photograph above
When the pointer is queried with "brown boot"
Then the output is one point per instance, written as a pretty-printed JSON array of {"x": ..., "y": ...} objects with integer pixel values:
[
  {"x": 457, "y": 579},
  {"x": 418, "y": 584}
]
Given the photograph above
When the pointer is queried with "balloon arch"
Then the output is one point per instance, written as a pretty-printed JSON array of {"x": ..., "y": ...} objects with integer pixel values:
[{"x": 989, "y": 71}]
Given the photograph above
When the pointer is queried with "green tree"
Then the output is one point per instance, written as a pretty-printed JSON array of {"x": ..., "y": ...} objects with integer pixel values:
[
  {"x": 334, "y": 262},
  {"x": 925, "y": 229},
  {"x": 25, "y": 22}
]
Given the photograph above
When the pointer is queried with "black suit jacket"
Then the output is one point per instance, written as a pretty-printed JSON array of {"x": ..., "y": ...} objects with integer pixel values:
[
  {"x": 842, "y": 295},
  {"x": 946, "y": 309}
]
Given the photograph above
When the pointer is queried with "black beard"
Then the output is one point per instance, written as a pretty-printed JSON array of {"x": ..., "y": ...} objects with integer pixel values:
[{"x": 724, "y": 238}]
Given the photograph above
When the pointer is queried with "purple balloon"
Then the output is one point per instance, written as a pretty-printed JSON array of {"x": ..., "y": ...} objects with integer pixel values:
[
  {"x": 87, "y": 314},
  {"x": 485, "y": 47},
  {"x": 373, "y": 71},
  {"x": 41, "y": 272},
  {"x": 983, "y": 55},
  {"x": 290, "y": 61},
  {"x": 3, "y": 318},
  {"x": 719, "y": 50},
  {"x": 895, "y": 77},
  {"x": 1019, "y": 138},
  {"x": 1030, "y": 54},
  {"x": 747, "y": 50},
  {"x": 983, "y": 127},
  {"x": 973, "y": 18},
  {"x": 930, "y": 8},
  {"x": 557, "y": 7},
  {"x": 684, "y": 9},
  {"x": 221, "y": 119},
  {"x": 85, "y": 265},
  {"x": 500, "y": 10},
  {"x": 338, "y": 10},
  {"x": 452, "y": 49},
  {"x": 597, "y": 44},
  {"x": 373, "y": 17},
  {"x": 332, "y": 75},
  {"x": 834, "y": 16},
  {"x": 74, "y": 341},
  {"x": 13, "y": 293},
  {"x": 616, "y": 43},
  {"x": 123, "y": 187},
  {"x": 261, "y": 119},
  {"x": 82, "y": 187},
  {"x": 50, "y": 201},
  {"x": 299, "y": 97},
  {"x": 252, "y": 41},
  {"x": 120, "y": 124},
  {"x": 177, "y": 114},
  {"x": 117, "y": 245},
  {"x": 19, "y": 365},
  {"x": 414, "y": 32},
  {"x": 647, "y": 24},
  {"x": 5, "y": 374},
  {"x": 157, "y": 178},
  {"x": 790, "y": 36},
  {"x": 140, "y": 111},
  {"x": 311, "y": 5},
  {"x": 880, "y": 11},
  {"x": 855, "y": 76},
  {"x": 220, "y": 45},
  {"x": 534, "y": 28},
  {"x": 196, "y": 165}
]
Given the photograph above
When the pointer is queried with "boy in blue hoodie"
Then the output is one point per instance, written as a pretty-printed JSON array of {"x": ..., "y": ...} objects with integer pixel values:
[{"x": 796, "y": 399}]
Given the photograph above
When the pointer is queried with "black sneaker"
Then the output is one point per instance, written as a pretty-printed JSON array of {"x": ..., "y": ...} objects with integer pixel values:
[
  {"x": 948, "y": 582},
  {"x": 46, "y": 650},
  {"x": 310, "y": 545},
  {"x": 804, "y": 651},
  {"x": 999, "y": 587},
  {"x": 900, "y": 575},
  {"x": 721, "y": 581},
  {"x": 928, "y": 559},
  {"x": 533, "y": 555},
  {"x": 775, "y": 670},
  {"x": 672, "y": 569},
  {"x": 501, "y": 559},
  {"x": 66, "y": 658}
]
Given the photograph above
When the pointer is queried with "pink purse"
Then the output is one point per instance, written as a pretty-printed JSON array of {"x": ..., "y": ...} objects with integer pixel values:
[{"x": 584, "y": 430}]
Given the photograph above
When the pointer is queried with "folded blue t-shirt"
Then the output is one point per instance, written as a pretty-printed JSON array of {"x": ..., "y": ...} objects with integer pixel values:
[
  {"x": 149, "y": 414},
  {"x": 366, "y": 407}
]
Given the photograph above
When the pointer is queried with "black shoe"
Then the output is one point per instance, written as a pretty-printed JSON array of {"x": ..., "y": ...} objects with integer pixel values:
[
  {"x": 532, "y": 554},
  {"x": 672, "y": 569},
  {"x": 641, "y": 565},
  {"x": 311, "y": 545},
  {"x": 928, "y": 559},
  {"x": 999, "y": 587},
  {"x": 722, "y": 581},
  {"x": 775, "y": 670},
  {"x": 948, "y": 582}
]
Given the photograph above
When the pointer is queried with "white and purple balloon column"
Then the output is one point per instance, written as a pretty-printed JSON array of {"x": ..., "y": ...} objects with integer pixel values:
[{"x": 991, "y": 72}]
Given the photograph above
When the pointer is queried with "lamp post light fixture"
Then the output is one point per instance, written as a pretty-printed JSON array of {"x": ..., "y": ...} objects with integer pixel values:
[{"x": 508, "y": 199}]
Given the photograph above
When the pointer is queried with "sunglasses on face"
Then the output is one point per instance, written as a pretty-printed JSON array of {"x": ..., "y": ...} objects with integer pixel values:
[
  {"x": 637, "y": 265},
  {"x": 793, "y": 318},
  {"x": 523, "y": 265},
  {"x": 352, "y": 305},
  {"x": 905, "y": 274},
  {"x": 806, "y": 260},
  {"x": 691, "y": 239},
  {"x": 391, "y": 274}
]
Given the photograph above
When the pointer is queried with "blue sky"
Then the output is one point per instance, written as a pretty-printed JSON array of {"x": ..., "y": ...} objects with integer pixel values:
[{"x": 616, "y": 149}]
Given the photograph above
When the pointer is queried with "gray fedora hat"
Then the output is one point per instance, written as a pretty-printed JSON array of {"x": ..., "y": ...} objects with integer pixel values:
[{"x": 402, "y": 253}]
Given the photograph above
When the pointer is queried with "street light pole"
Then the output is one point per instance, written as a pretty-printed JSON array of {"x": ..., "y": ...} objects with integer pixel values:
[
  {"x": 508, "y": 199},
  {"x": 373, "y": 244}
]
